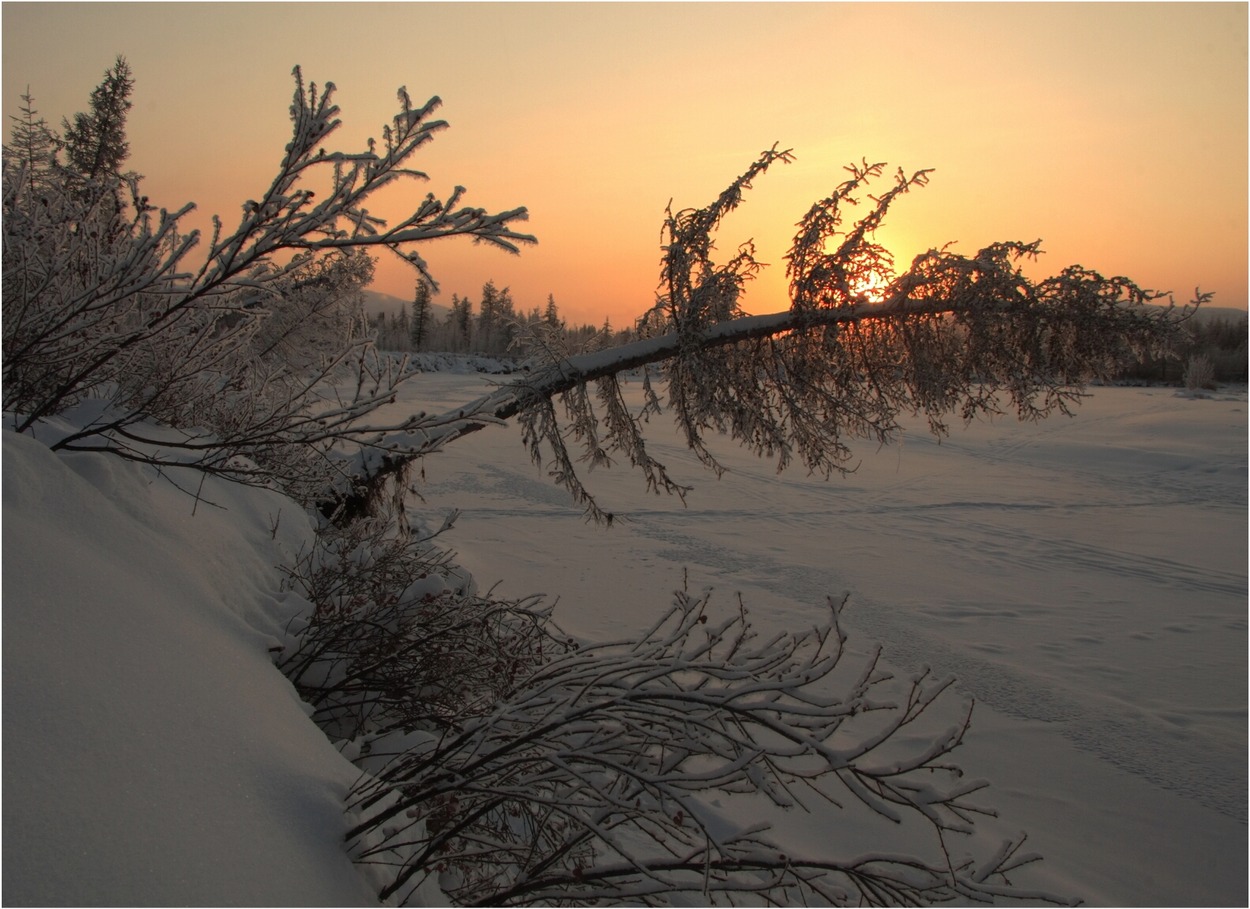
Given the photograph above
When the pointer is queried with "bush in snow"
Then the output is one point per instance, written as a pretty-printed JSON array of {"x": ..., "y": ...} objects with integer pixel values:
[
  {"x": 397, "y": 636},
  {"x": 1199, "y": 373},
  {"x": 593, "y": 778},
  {"x": 505, "y": 764}
]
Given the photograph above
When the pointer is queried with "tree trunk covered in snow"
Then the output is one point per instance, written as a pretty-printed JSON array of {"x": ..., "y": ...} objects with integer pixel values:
[{"x": 858, "y": 347}]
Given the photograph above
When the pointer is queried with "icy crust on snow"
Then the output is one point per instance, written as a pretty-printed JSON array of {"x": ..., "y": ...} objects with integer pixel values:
[{"x": 153, "y": 754}]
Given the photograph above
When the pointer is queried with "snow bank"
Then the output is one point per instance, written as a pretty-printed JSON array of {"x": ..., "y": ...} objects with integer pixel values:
[
  {"x": 1084, "y": 579},
  {"x": 153, "y": 755},
  {"x": 459, "y": 364}
]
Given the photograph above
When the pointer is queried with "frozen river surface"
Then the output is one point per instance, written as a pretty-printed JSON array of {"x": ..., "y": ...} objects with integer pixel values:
[{"x": 1084, "y": 579}]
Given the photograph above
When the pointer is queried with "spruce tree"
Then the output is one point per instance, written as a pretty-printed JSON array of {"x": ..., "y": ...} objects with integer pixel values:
[
  {"x": 460, "y": 320},
  {"x": 96, "y": 141},
  {"x": 33, "y": 144},
  {"x": 487, "y": 316},
  {"x": 552, "y": 315},
  {"x": 505, "y": 321},
  {"x": 420, "y": 314}
]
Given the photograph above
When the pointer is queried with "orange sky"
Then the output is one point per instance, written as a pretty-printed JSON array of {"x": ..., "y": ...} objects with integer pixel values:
[{"x": 1117, "y": 133}]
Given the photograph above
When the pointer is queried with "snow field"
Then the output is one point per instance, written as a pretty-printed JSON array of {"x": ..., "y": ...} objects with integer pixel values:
[{"x": 1084, "y": 579}]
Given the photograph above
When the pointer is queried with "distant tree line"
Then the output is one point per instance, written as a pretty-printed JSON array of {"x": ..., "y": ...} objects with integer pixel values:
[
  {"x": 492, "y": 326},
  {"x": 1205, "y": 349},
  {"x": 1214, "y": 345}
]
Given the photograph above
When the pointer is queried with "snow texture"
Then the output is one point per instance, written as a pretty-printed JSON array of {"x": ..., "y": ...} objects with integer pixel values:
[
  {"x": 1084, "y": 579},
  {"x": 153, "y": 755}
]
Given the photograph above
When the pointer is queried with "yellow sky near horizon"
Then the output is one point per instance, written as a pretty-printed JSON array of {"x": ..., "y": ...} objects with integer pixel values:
[{"x": 1117, "y": 133}]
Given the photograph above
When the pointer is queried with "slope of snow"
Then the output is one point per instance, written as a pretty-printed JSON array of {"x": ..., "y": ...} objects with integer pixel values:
[
  {"x": 1085, "y": 580},
  {"x": 153, "y": 755}
]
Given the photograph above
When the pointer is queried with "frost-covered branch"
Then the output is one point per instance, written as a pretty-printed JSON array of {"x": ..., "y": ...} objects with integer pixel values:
[
  {"x": 240, "y": 357},
  {"x": 504, "y": 764},
  {"x": 591, "y": 780},
  {"x": 398, "y": 636},
  {"x": 953, "y": 335}
]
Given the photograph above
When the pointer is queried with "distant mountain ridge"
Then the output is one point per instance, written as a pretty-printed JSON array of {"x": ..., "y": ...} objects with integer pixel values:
[
  {"x": 376, "y": 302},
  {"x": 1207, "y": 313}
]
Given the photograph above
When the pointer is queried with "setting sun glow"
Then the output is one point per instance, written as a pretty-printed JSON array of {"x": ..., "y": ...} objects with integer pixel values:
[
  {"x": 1056, "y": 121},
  {"x": 871, "y": 289}
]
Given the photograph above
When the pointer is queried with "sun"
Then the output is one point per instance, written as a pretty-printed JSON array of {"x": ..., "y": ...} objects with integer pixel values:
[{"x": 870, "y": 287}]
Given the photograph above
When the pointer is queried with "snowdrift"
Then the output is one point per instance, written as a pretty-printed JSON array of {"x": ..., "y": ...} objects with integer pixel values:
[{"x": 153, "y": 754}]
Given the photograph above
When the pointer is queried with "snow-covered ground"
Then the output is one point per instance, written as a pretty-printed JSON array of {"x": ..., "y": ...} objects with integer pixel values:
[
  {"x": 1085, "y": 579},
  {"x": 153, "y": 755}
]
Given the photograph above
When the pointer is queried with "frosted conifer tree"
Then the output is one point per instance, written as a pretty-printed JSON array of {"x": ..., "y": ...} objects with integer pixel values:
[
  {"x": 95, "y": 142},
  {"x": 133, "y": 319},
  {"x": 421, "y": 315},
  {"x": 551, "y": 315},
  {"x": 32, "y": 145}
]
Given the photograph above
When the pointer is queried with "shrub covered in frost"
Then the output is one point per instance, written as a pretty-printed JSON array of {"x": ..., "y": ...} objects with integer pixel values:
[
  {"x": 504, "y": 764},
  {"x": 398, "y": 637}
]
